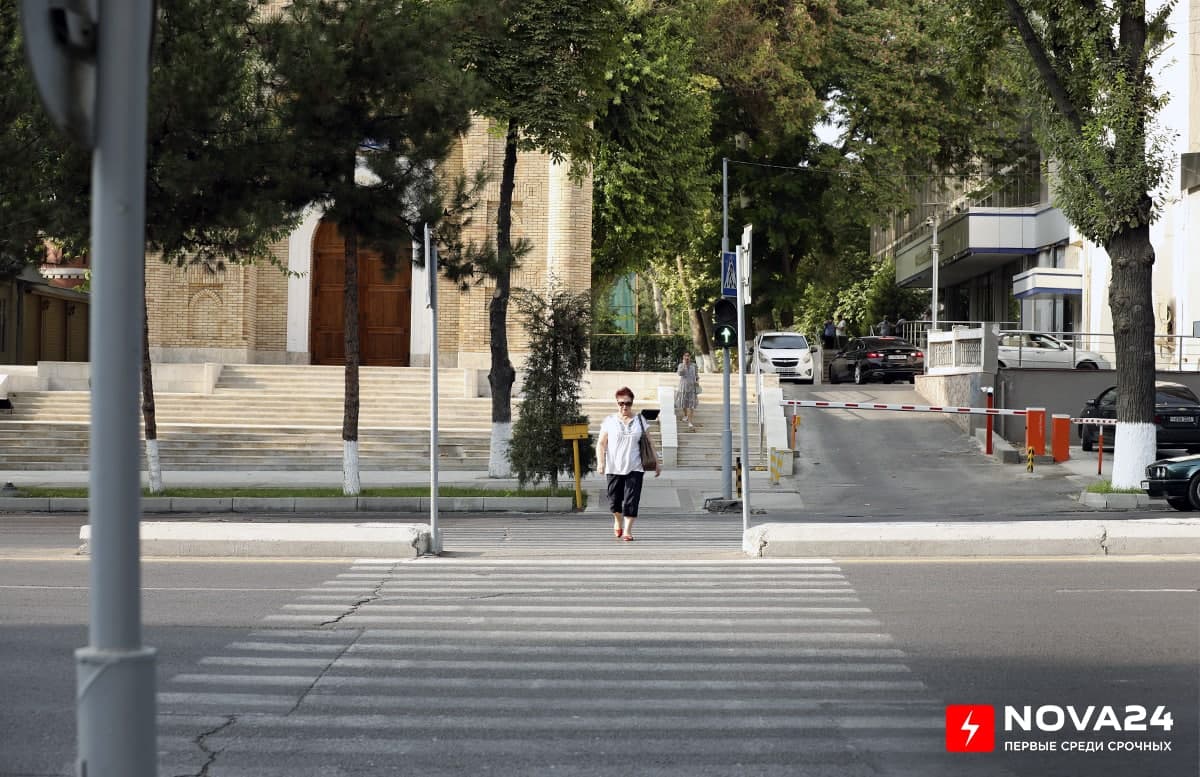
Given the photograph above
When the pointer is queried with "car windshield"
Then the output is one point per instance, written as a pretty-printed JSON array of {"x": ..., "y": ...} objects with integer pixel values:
[
  {"x": 784, "y": 342},
  {"x": 1173, "y": 395},
  {"x": 886, "y": 342}
]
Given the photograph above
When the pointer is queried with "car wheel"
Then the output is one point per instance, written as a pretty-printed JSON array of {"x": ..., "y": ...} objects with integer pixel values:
[
  {"x": 912, "y": 379},
  {"x": 1193, "y": 494},
  {"x": 1085, "y": 442},
  {"x": 1180, "y": 503},
  {"x": 859, "y": 377},
  {"x": 1087, "y": 366}
]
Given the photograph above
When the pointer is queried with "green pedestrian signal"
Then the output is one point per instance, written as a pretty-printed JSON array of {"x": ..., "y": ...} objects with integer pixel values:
[{"x": 725, "y": 323}]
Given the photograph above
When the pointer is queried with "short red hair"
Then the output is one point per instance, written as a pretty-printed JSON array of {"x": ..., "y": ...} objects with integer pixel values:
[{"x": 625, "y": 391}]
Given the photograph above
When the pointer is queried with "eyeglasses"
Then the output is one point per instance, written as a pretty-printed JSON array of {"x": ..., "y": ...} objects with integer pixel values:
[{"x": 625, "y": 404}]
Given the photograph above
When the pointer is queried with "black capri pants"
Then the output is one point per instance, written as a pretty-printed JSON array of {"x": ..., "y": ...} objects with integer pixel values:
[{"x": 624, "y": 493}]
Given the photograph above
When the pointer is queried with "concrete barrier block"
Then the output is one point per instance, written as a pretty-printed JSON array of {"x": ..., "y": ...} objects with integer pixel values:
[
  {"x": 461, "y": 504},
  {"x": 304, "y": 540},
  {"x": 325, "y": 504},
  {"x": 192, "y": 504},
  {"x": 261, "y": 504},
  {"x": 1153, "y": 537},
  {"x": 24, "y": 504},
  {"x": 157, "y": 504},
  {"x": 68, "y": 504},
  {"x": 392, "y": 504},
  {"x": 1015, "y": 538}
]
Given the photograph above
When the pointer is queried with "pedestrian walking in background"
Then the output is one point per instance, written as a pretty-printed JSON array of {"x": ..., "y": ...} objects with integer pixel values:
[
  {"x": 885, "y": 327},
  {"x": 829, "y": 333},
  {"x": 840, "y": 332},
  {"x": 619, "y": 459},
  {"x": 687, "y": 395}
]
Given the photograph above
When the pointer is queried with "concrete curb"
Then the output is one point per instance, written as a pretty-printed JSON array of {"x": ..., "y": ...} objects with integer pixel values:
[
  {"x": 1016, "y": 538},
  {"x": 240, "y": 504},
  {"x": 297, "y": 540},
  {"x": 1115, "y": 501}
]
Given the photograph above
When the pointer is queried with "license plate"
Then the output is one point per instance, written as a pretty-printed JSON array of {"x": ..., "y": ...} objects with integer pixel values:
[
  {"x": 898, "y": 358},
  {"x": 1145, "y": 484},
  {"x": 1183, "y": 419}
]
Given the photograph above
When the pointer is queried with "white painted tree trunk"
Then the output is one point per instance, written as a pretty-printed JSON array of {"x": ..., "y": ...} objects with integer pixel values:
[
  {"x": 1136, "y": 446},
  {"x": 498, "y": 464},
  {"x": 351, "y": 485},
  {"x": 154, "y": 467}
]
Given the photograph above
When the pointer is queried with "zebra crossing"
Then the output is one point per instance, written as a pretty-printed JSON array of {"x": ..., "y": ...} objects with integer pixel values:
[{"x": 567, "y": 667}]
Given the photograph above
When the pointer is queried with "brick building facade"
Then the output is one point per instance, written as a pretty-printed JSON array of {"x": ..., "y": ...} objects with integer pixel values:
[{"x": 259, "y": 314}]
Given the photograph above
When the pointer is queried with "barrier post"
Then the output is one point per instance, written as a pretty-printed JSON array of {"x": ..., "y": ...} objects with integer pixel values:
[
  {"x": 1060, "y": 437},
  {"x": 990, "y": 404},
  {"x": 1035, "y": 429},
  {"x": 1100, "y": 452}
]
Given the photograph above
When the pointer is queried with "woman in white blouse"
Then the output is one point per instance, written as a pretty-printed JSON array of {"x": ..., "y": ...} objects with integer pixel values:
[{"x": 619, "y": 459}]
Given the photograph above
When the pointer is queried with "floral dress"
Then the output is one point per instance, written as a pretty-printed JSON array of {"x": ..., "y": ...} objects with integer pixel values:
[{"x": 689, "y": 381}]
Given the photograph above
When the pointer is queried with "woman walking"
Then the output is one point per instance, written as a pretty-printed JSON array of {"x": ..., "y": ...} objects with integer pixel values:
[
  {"x": 689, "y": 387},
  {"x": 619, "y": 459}
]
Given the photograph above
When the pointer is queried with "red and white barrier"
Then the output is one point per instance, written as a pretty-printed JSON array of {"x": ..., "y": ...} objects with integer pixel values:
[{"x": 911, "y": 408}]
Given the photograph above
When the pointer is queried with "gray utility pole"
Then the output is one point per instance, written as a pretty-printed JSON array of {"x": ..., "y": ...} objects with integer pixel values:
[
  {"x": 116, "y": 693},
  {"x": 93, "y": 75},
  {"x": 727, "y": 434},
  {"x": 934, "y": 262},
  {"x": 431, "y": 271}
]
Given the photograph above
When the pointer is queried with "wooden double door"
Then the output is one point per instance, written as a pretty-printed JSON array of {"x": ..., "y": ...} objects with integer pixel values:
[{"x": 383, "y": 304}]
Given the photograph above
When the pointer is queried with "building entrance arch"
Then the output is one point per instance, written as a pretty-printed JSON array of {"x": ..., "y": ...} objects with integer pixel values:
[{"x": 383, "y": 304}]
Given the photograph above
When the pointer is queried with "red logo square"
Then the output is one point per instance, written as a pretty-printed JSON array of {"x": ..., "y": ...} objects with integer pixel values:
[{"x": 970, "y": 728}]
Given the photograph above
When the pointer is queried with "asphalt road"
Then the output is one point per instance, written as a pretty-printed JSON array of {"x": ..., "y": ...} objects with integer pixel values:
[
  {"x": 474, "y": 665},
  {"x": 867, "y": 465}
]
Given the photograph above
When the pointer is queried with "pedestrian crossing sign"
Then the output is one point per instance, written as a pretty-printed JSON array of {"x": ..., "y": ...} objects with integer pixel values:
[{"x": 729, "y": 275}]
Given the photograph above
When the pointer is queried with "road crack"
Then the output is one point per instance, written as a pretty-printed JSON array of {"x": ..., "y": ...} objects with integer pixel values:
[{"x": 201, "y": 742}]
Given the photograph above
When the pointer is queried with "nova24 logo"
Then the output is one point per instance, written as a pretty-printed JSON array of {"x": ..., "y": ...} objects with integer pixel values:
[{"x": 971, "y": 728}]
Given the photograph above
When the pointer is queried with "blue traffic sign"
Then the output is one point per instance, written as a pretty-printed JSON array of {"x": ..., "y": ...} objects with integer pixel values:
[{"x": 729, "y": 274}]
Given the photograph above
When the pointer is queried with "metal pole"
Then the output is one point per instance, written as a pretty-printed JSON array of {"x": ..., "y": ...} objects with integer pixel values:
[
  {"x": 115, "y": 695},
  {"x": 935, "y": 261},
  {"x": 727, "y": 434},
  {"x": 431, "y": 268},
  {"x": 742, "y": 372}
]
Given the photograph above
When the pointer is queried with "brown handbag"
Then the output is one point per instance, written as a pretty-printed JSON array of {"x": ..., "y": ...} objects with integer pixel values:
[{"x": 646, "y": 448}]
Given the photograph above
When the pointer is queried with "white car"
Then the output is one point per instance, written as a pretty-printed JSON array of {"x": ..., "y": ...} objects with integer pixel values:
[
  {"x": 1034, "y": 349},
  {"x": 787, "y": 354}
]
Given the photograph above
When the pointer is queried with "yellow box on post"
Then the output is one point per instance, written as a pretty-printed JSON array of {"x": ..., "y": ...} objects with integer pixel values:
[{"x": 575, "y": 433}]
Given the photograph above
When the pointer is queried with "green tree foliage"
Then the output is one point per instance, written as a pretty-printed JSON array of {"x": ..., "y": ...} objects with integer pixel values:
[
  {"x": 1089, "y": 66},
  {"x": 558, "y": 326},
  {"x": 544, "y": 63},
  {"x": 34, "y": 191},
  {"x": 372, "y": 97},
  {"x": 653, "y": 179}
]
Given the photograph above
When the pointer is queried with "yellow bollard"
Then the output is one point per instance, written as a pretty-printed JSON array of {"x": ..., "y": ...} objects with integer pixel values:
[{"x": 1029, "y": 459}]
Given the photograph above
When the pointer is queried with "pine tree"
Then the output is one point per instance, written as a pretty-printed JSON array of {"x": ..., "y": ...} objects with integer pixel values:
[
  {"x": 372, "y": 98},
  {"x": 559, "y": 326}
]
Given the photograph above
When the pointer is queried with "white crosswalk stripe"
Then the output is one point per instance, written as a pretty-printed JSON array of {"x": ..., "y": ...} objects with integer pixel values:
[{"x": 596, "y": 667}]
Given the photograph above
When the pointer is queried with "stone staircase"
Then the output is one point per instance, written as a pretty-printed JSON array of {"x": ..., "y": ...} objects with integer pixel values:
[{"x": 275, "y": 417}]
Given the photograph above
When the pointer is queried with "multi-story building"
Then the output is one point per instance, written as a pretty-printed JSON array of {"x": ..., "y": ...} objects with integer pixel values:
[{"x": 1013, "y": 257}]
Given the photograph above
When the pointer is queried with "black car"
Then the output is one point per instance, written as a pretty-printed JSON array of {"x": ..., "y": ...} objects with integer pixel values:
[
  {"x": 1176, "y": 416},
  {"x": 1176, "y": 480},
  {"x": 877, "y": 358}
]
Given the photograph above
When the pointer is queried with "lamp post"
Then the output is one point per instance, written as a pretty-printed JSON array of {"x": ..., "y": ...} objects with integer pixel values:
[{"x": 934, "y": 261}]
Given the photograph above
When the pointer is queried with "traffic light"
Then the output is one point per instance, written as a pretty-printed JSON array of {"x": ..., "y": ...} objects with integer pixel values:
[{"x": 725, "y": 323}]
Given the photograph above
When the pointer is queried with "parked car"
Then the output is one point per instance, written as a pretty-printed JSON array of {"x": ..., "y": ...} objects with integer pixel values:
[
  {"x": 1176, "y": 416},
  {"x": 787, "y": 354},
  {"x": 1176, "y": 480},
  {"x": 877, "y": 358},
  {"x": 1034, "y": 349}
]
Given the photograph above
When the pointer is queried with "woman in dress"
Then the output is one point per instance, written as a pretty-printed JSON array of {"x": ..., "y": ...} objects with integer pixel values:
[{"x": 689, "y": 387}]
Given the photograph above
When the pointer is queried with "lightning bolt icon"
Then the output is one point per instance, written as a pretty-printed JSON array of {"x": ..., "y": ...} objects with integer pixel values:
[{"x": 970, "y": 727}]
